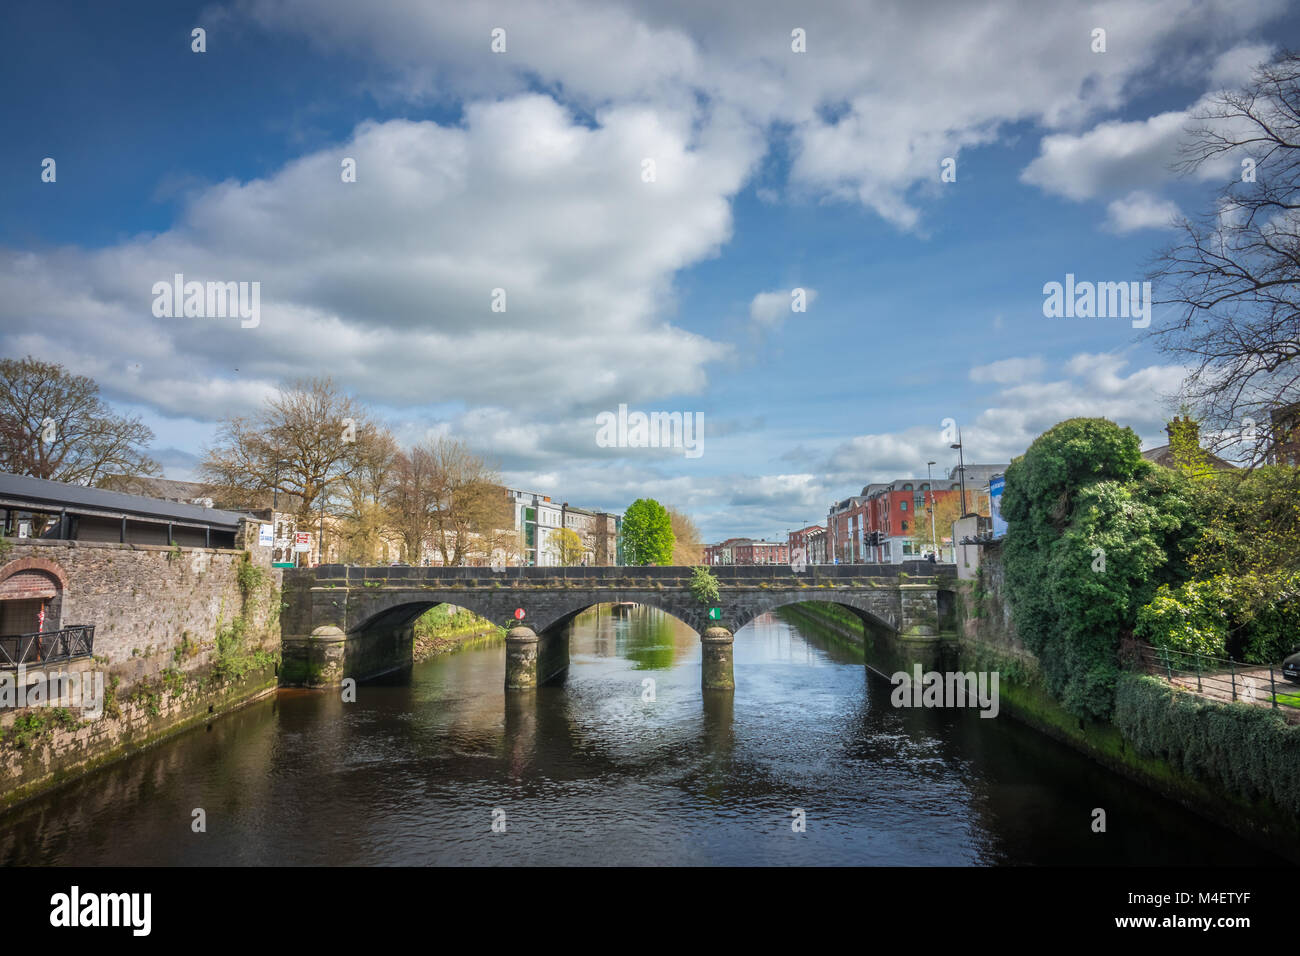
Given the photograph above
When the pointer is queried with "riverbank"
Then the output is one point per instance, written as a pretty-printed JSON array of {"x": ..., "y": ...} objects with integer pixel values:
[
  {"x": 46, "y": 747},
  {"x": 444, "y": 629},
  {"x": 1259, "y": 817}
]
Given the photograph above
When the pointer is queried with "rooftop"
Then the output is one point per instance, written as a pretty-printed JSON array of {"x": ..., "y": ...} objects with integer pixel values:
[{"x": 22, "y": 492}]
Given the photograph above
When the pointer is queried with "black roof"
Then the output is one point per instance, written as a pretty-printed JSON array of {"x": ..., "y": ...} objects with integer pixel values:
[{"x": 39, "y": 494}]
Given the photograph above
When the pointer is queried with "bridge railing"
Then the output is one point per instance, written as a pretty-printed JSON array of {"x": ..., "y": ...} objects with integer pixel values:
[
  {"x": 47, "y": 647},
  {"x": 735, "y": 575}
]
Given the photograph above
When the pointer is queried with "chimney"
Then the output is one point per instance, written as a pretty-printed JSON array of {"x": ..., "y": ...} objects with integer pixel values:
[{"x": 1185, "y": 428}]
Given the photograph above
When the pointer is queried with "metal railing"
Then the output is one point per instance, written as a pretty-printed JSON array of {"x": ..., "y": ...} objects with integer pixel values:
[
  {"x": 1223, "y": 679},
  {"x": 47, "y": 647}
]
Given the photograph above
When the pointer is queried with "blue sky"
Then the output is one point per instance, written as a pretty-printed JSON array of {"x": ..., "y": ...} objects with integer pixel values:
[{"x": 522, "y": 170}]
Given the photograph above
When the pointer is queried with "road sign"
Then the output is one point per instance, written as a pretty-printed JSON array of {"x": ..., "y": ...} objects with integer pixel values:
[
  {"x": 715, "y": 614},
  {"x": 519, "y": 614},
  {"x": 266, "y": 536},
  {"x": 302, "y": 541}
]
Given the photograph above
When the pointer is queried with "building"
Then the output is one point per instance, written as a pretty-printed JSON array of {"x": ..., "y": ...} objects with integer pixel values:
[
  {"x": 811, "y": 541},
  {"x": 845, "y": 523},
  {"x": 538, "y": 520},
  {"x": 1164, "y": 454},
  {"x": 39, "y": 508},
  {"x": 1285, "y": 425},
  {"x": 747, "y": 551},
  {"x": 751, "y": 552},
  {"x": 893, "y": 510}
]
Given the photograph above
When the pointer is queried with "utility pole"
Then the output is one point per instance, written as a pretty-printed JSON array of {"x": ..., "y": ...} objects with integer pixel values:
[
  {"x": 961, "y": 470},
  {"x": 934, "y": 538}
]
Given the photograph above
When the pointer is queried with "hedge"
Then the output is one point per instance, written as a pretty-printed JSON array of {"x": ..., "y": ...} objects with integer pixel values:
[{"x": 1250, "y": 752}]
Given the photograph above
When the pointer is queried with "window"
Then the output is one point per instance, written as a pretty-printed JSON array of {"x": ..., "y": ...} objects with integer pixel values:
[
  {"x": 907, "y": 487},
  {"x": 925, "y": 487},
  {"x": 902, "y": 506}
]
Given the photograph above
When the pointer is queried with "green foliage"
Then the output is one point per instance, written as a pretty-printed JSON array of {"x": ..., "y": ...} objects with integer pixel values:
[
  {"x": 1245, "y": 617},
  {"x": 704, "y": 585},
  {"x": 1092, "y": 526},
  {"x": 250, "y": 576},
  {"x": 1192, "y": 618},
  {"x": 1254, "y": 525},
  {"x": 442, "y": 621},
  {"x": 1249, "y": 751},
  {"x": 647, "y": 533}
]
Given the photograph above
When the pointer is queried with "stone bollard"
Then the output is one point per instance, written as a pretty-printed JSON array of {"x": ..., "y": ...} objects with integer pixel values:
[
  {"x": 716, "y": 672},
  {"x": 521, "y": 658}
]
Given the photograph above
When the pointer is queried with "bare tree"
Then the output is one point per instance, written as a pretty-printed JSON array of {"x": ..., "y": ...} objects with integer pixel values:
[
  {"x": 687, "y": 549},
  {"x": 54, "y": 425},
  {"x": 467, "y": 501},
  {"x": 303, "y": 443},
  {"x": 407, "y": 497},
  {"x": 1235, "y": 273},
  {"x": 361, "y": 501}
]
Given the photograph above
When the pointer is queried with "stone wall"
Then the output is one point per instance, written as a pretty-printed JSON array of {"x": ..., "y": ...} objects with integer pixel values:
[
  {"x": 986, "y": 613},
  {"x": 153, "y": 607},
  {"x": 158, "y": 613}
]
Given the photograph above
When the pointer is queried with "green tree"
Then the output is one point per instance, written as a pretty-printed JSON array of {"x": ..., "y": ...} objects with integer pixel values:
[
  {"x": 647, "y": 533},
  {"x": 1092, "y": 528}
]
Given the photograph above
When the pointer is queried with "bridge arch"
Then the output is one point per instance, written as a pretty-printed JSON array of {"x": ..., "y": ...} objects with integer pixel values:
[{"x": 867, "y": 612}]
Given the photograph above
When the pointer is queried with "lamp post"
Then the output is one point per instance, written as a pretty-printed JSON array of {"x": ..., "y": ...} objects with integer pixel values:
[
  {"x": 934, "y": 538},
  {"x": 961, "y": 470}
]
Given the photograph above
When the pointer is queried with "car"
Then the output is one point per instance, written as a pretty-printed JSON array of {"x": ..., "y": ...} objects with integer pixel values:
[
  {"x": 399, "y": 564},
  {"x": 1291, "y": 668}
]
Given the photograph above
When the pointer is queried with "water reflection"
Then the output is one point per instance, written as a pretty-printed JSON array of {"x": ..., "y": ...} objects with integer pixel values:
[{"x": 597, "y": 771}]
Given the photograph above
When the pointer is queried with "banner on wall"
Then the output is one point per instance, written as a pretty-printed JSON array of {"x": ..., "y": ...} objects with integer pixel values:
[{"x": 996, "y": 484}]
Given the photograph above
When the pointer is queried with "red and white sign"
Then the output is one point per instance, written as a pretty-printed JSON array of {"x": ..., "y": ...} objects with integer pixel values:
[
  {"x": 519, "y": 614},
  {"x": 302, "y": 541}
]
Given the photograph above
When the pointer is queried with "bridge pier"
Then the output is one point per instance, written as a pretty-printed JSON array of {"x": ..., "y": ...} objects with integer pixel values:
[
  {"x": 521, "y": 658},
  {"x": 717, "y": 671},
  {"x": 532, "y": 660}
]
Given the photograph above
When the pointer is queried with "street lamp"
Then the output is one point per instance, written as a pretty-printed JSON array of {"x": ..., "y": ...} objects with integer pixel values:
[
  {"x": 961, "y": 469},
  {"x": 934, "y": 538}
]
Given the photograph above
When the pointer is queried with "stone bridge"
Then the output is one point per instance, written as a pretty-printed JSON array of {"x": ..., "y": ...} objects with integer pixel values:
[{"x": 340, "y": 621}]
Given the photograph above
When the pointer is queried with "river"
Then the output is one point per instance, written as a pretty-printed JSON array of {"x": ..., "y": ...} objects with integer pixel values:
[{"x": 424, "y": 764}]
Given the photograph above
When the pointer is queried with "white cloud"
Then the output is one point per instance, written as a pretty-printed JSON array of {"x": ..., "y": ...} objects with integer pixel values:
[
  {"x": 388, "y": 285},
  {"x": 1140, "y": 210},
  {"x": 1008, "y": 370},
  {"x": 878, "y": 100},
  {"x": 1135, "y": 157},
  {"x": 770, "y": 309}
]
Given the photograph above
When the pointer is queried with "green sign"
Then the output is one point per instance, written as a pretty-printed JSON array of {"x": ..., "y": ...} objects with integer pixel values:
[
  {"x": 715, "y": 614},
  {"x": 283, "y": 564}
]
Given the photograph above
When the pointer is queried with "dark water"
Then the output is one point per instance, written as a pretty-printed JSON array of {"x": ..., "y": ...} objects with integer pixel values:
[{"x": 591, "y": 773}]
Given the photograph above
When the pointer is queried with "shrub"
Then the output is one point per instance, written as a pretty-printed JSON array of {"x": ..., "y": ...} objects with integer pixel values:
[
  {"x": 1251, "y": 752},
  {"x": 704, "y": 585}
]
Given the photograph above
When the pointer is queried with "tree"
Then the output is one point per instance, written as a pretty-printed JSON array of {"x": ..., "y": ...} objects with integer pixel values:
[
  {"x": 1235, "y": 273},
  {"x": 946, "y": 509},
  {"x": 446, "y": 496},
  {"x": 54, "y": 425},
  {"x": 647, "y": 533},
  {"x": 303, "y": 442},
  {"x": 362, "y": 509},
  {"x": 566, "y": 547},
  {"x": 687, "y": 549},
  {"x": 1093, "y": 530}
]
